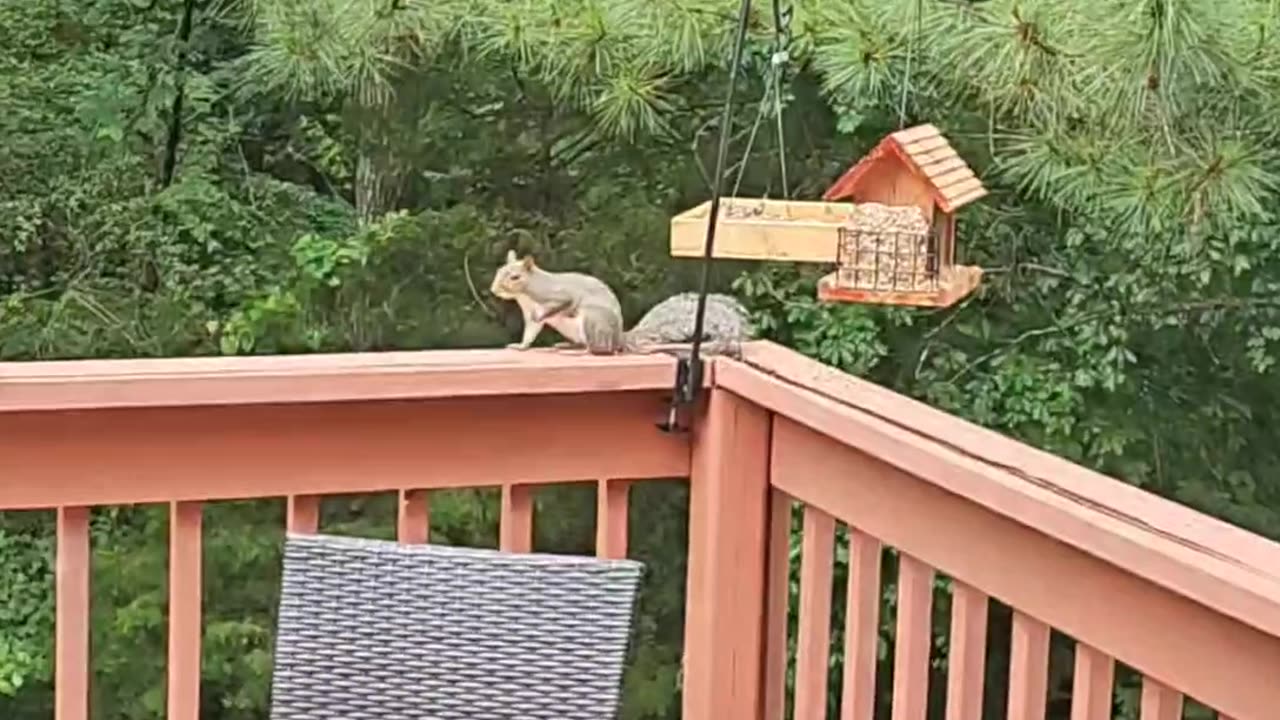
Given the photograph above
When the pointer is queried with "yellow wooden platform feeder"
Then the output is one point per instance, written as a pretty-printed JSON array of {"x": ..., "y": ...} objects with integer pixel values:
[
  {"x": 894, "y": 243},
  {"x": 755, "y": 229}
]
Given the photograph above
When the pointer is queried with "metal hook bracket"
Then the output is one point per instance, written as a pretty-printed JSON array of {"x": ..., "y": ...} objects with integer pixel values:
[{"x": 688, "y": 381}]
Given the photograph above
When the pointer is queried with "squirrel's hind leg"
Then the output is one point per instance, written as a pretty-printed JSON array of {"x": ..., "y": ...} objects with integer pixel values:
[{"x": 601, "y": 336}]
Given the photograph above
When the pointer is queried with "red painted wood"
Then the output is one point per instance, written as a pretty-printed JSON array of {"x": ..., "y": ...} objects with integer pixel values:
[
  {"x": 728, "y": 544},
  {"x": 612, "y": 506},
  {"x": 515, "y": 528},
  {"x": 813, "y": 645},
  {"x": 186, "y": 583},
  {"x": 244, "y": 452},
  {"x": 1160, "y": 702},
  {"x": 413, "y": 518},
  {"x": 71, "y": 640},
  {"x": 913, "y": 639},
  {"x": 967, "y": 659},
  {"x": 302, "y": 514},
  {"x": 862, "y": 627},
  {"x": 1028, "y": 668},
  {"x": 777, "y": 599},
  {"x": 1091, "y": 690},
  {"x": 1212, "y": 657}
]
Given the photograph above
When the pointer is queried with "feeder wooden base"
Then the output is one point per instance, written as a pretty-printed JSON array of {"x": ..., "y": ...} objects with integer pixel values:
[{"x": 961, "y": 281}]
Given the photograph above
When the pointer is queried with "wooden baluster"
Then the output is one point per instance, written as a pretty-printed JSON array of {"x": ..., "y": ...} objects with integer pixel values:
[
  {"x": 612, "y": 506},
  {"x": 302, "y": 514},
  {"x": 728, "y": 548},
  {"x": 861, "y": 628},
  {"x": 413, "y": 517},
  {"x": 966, "y": 663},
  {"x": 1091, "y": 688},
  {"x": 914, "y": 639},
  {"x": 185, "y": 586},
  {"x": 71, "y": 628},
  {"x": 1159, "y": 701},
  {"x": 1028, "y": 668},
  {"x": 813, "y": 646},
  {"x": 515, "y": 528},
  {"x": 777, "y": 601}
]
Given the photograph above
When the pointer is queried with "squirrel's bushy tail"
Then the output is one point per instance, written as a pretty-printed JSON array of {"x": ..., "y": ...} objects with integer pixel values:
[
  {"x": 672, "y": 321},
  {"x": 728, "y": 347}
]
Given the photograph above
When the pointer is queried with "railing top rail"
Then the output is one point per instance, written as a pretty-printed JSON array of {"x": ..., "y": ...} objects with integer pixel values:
[
  {"x": 95, "y": 384},
  {"x": 1210, "y": 561}
]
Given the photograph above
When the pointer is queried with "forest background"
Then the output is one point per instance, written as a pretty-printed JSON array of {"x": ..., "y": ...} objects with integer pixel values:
[{"x": 186, "y": 177}]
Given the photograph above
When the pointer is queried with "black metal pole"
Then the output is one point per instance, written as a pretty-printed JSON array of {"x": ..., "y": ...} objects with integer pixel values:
[{"x": 693, "y": 379}]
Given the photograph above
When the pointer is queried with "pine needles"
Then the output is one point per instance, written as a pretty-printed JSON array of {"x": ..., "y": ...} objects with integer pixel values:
[{"x": 1144, "y": 111}]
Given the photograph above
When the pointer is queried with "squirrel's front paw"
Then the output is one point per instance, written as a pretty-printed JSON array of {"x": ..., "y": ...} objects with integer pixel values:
[{"x": 517, "y": 346}]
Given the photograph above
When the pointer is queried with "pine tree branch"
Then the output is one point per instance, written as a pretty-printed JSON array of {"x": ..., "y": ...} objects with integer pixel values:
[
  {"x": 927, "y": 340},
  {"x": 1230, "y": 303}
]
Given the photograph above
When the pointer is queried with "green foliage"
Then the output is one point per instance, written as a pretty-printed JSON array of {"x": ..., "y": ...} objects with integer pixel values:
[
  {"x": 785, "y": 308},
  {"x": 265, "y": 176},
  {"x": 26, "y": 610}
]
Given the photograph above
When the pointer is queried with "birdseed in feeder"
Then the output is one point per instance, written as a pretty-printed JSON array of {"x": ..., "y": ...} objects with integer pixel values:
[{"x": 885, "y": 247}]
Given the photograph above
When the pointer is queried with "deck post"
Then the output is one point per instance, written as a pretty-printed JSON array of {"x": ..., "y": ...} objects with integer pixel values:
[{"x": 728, "y": 531}]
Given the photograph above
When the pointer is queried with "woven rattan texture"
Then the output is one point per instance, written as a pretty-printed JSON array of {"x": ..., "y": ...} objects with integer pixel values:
[{"x": 375, "y": 629}]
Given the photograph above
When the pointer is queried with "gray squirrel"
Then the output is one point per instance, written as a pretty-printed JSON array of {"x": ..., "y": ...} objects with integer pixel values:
[{"x": 586, "y": 312}]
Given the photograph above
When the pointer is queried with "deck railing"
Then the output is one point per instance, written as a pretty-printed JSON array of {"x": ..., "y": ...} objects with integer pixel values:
[{"x": 1191, "y": 603}]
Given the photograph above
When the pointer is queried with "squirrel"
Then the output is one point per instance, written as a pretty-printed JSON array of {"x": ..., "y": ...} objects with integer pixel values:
[
  {"x": 578, "y": 306},
  {"x": 584, "y": 310}
]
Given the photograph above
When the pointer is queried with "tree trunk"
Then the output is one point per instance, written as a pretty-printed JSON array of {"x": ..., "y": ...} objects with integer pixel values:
[{"x": 377, "y": 184}]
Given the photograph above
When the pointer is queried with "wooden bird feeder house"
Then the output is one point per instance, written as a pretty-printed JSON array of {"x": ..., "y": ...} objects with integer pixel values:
[
  {"x": 899, "y": 245},
  {"x": 888, "y": 224}
]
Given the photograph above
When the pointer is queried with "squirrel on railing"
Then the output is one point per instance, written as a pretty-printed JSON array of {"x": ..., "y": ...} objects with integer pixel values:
[{"x": 585, "y": 310}]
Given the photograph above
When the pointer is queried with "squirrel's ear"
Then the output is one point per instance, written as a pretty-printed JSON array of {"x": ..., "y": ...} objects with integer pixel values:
[
  {"x": 511, "y": 256},
  {"x": 527, "y": 261}
]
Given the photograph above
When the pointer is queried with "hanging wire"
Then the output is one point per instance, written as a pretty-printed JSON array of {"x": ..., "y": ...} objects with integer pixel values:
[
  {"x": 689, "y": 371},
  {"x": 751, "y": 140},
  {"x": 906, "y": 73},
  {"x": 773, "y": 90},
  {"x": 778, "y": 64},
  {"x": 777, "y": 112}
]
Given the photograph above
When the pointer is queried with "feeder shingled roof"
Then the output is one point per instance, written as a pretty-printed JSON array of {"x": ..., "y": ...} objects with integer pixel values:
[{"x": 923, "y": 149}]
